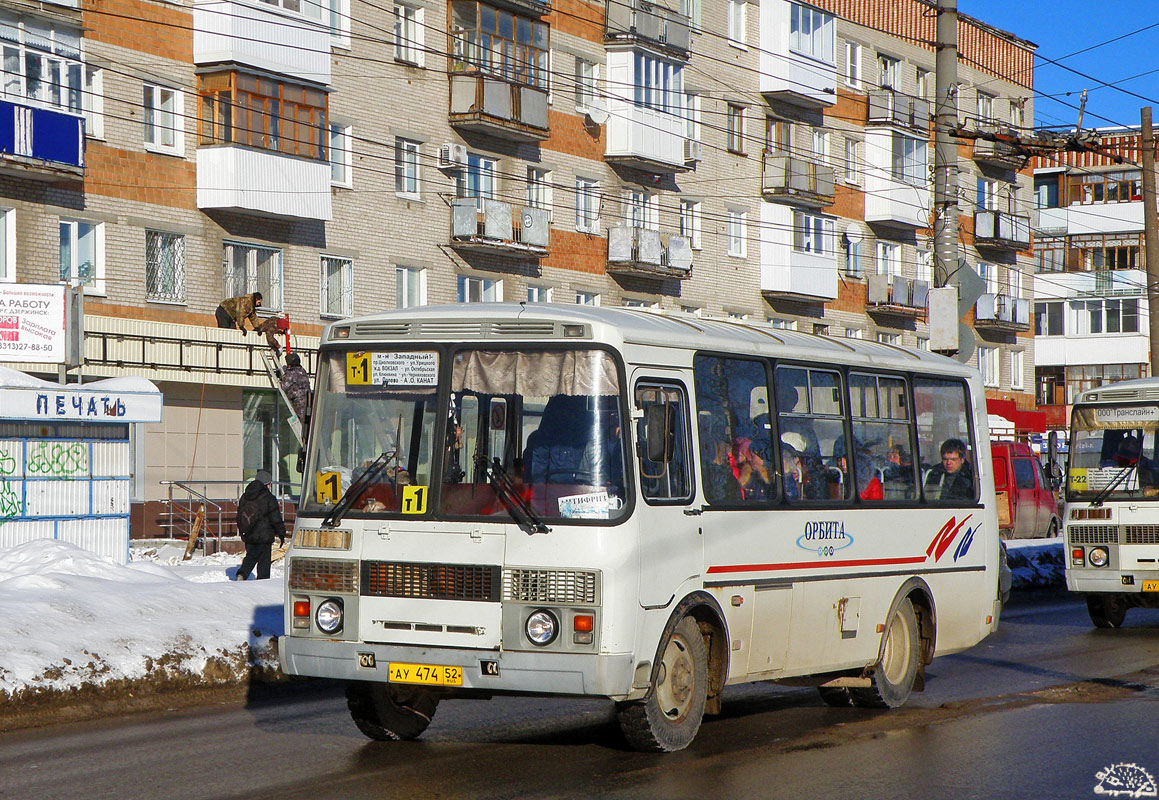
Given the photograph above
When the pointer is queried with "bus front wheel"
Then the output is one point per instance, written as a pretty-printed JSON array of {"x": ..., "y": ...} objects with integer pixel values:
[
  {"x": 893, "y": 676},
  {"x": 670, "y": 717},
  {"x": 386, "y": 712},
  {"x": 1107, "y": 610}
]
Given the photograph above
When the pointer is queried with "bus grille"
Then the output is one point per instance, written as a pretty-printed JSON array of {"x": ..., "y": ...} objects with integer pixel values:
[
  {"x": 430, "y": 581},
  {"x": 549, "y": 586},
  {"x": 1141, "y": 534},
  {"x": 1093, "y": 534},
  {"x": 323, "y": 575}
]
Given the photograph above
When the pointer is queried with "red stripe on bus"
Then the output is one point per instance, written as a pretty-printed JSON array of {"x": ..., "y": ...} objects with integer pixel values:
[{"x": 864, "y": 562}]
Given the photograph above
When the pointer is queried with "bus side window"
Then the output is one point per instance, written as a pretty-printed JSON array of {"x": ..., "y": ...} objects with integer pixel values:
[
  {"x": 736, "y": 454},
  {"x": 667, "y": 478},
  {"x": 946, "y": 448}
]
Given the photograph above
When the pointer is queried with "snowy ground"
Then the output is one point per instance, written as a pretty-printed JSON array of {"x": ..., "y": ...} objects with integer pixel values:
[{"x": 77, "y": 623}]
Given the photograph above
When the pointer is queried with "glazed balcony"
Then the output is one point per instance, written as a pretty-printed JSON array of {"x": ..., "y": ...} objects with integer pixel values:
[
  {"x": 638, "y": 21},
  {"x": 41, "y": 143},
  {"x": 261, "y": 36},
  {"x": 262, "y": 182},
  {"x": 646, "y": 139}
]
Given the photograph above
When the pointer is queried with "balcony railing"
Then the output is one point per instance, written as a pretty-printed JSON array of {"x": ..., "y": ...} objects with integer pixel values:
[
  {"x": 640, "y": 20},
  {"x": 646, "y": 139},
  {"x": 641, "y": 251},
  {"x": 491, "y": 226},
  {"x": 499, "y": 108},
  {"x": 897, "y": 295},
  {"x": 998, "y": 154},
  {"x": 265, "y": 182},
  {"x": 41, "y": 142},
  {"x": 797, "y": 181},
  {"x": 1002, "y": 313},
  {"x": 887, "y": 107},
  {"x": 1001, "y": 230}
]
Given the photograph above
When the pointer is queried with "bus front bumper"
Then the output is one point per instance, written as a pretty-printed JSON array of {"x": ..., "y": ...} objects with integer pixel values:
[{"x": 483, "y": 670}]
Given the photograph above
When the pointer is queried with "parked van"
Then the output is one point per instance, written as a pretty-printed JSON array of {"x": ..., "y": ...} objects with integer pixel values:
[{"x": 1027, "y": 505}]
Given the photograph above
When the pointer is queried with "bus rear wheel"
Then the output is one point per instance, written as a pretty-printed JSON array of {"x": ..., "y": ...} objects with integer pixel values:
[
  {"x": 892, "y": 678},
  {"x": 669, "y": 719},
  {"x": 388, "y": 712},
  {"x": 1107, "y": 610}
]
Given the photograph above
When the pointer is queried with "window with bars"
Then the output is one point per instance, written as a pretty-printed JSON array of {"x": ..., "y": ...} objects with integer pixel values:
[
  {"x": 492, "y": 40},
  {"x": 164, "y": 267},
  {"x": 248, "y": 268},
  {"x": 262, "y": 112},
  {"x": 337, "y": 287}
]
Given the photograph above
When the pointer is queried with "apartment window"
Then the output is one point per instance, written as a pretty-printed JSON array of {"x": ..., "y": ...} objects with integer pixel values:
[
  {"x": 889, "y": 338},
  {"x": 410, "y": 287},
  {"x": 820, "y": 146},
  {"x": 408, "y": 34},
  {"x": 587, "y": 299},
  {"x": 7, "y": 245},
  {"x": 478, "y": 179},
  {"x": 778, "y": 135},
  {"x": 782, "y": 324},
  {"x": 495, "y": 41},
  {"x": 985, "y": 107},
  {"x": 1046, "y": 191},
  {"x": 812, "y": 33},
  {"x": 811, "y": 233},
  {"x": 262, "y": 112},
  {"x": 93, "y": 102},
  {"x": 1048, "y": 319},
  {"x": 587, "y": 205},
  {"x": 164, "y": 119},
  {"x": 248, "y": 268},
  {"x": 586, "y": 77},
  {"x": 820, "y": 329},
  {"x": 852, "y": 175},
  {"x": 341, "y": 155},
  {"x": 1049, "y": 253},
  {"x": 853, "y": 65},
  {"x": 887, "y": 72},
  {"x": 339, "y": 22},
  {"x": 1105, "y": 316},
  {"x": 854, "y": 333},
  {"x": 41, "y": 62},
  {"x": 538, "y": 294},
  {"x": 690, "y": 222},
  {"x": 164, "y": 267},
  {"x": 851, "y": 242},
  {"x": 656, "y": 82},
  {"x": 923, "y": 89},
  {"x": 987, "y": 196},
  {"x": 82, "y": 254},
  {"x": 1017, "y": 362},
  {"x": 539, "y": 189},
  {"x": 641, "y": 209},
  {"x": 406, "y": 167},
  {"x": 909, "y": 160},
  {"x": 989, "y": 275},
  {"x": 925, "y": 266},
  {"x": 337, "y": 282},
  {"x": 692, "y": 116},
  {"x": 1017, "y": 112},
  {"x": 1100, "y": 252},
  {"x": 888, "y": 258},
  {"x": 735, "y": 129},
  {"x": 924, "y": 344},
  {"x": 692, "y": 10},
  {"x": 1014, "y": 282},
  {"x": 1122, "y": 186},
  {"x": 629, "y": 302},
  {"x": 988, "y": 365},
  {"x": 737, "y": 224},
  {"x": 309, "y": 8},
  {"x": 480, "y": 290},
  {"x": 737, "y": 17}
]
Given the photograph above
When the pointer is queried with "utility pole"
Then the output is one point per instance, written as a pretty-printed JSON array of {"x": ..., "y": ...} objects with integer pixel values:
[
  {"x": 946, "y": 146},
  {"x": 1150, "y": 236}
]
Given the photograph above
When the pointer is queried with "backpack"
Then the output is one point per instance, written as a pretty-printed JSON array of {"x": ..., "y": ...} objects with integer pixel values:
[{"x": 248, "y": 516}]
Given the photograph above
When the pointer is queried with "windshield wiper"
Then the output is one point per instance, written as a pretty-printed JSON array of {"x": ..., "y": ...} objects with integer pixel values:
[
  {"x": 520, "y": 510},
  {"x": 1101, "y": 496},
  {"x": 358, "y": 488}
]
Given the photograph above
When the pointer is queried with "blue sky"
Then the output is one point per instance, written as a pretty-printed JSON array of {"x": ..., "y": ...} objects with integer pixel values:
[{"x": 1063, "y": 27}]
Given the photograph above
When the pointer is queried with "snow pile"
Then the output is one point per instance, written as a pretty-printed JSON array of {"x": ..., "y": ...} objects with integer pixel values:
[
  {"x": 74, "y": 619},
  {"x": 1036, "y": 563}
]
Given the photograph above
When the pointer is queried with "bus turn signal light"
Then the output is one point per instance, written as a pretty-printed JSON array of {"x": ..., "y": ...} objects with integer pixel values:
[{"x": 583, "y": 622}]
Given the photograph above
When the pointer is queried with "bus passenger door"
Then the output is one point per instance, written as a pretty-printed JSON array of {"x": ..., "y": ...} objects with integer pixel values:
[{"x": 670, "y": 542}]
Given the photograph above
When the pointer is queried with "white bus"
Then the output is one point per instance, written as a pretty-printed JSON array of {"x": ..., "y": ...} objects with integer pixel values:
[
  {"x": 1112, "y": 499},
  {"x": 647, "y": 507}
]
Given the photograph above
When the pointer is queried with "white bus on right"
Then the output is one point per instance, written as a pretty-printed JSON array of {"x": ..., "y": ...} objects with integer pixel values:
[{"x": 1112, "y": 500}]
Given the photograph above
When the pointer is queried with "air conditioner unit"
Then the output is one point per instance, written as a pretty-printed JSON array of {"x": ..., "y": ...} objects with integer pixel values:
[
  {"x": 692, "y": 150},
  {"x": 452, "y": 156}
]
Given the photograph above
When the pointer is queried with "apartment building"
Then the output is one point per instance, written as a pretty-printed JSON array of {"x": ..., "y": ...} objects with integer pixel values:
[
  {"x": 1090, "y": 283},
  {"x": 768, "y": 161}
]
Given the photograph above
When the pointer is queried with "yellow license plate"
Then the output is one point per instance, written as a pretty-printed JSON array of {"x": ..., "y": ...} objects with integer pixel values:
[
  {"x": 1151, "y": 586},
  {"x": 430, "y": 674}
]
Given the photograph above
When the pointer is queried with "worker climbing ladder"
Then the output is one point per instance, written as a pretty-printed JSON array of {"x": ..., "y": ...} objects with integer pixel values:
[{"x": 275, "y": 368}]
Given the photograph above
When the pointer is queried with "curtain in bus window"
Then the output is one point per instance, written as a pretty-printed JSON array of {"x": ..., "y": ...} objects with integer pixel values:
[
  {"x": 946, "y": 449},
  {"x": 544, "y": 374},
  {"x": 736, "y": 454}
]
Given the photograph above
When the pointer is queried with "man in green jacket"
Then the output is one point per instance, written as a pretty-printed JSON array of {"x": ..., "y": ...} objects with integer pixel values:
[{"x": 234, "y": 311}]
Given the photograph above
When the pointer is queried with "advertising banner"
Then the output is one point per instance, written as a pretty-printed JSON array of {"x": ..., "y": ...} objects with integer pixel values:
[{"x": 32, "y": 323}]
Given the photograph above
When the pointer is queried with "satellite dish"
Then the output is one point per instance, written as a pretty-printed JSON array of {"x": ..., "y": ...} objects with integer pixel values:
[
  {"x": 854, "y": 233},
  {"x": 596, "y": 112}
]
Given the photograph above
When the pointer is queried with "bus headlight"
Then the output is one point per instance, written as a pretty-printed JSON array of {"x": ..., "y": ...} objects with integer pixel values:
[
  {"x": 328, "y": 617},
  {"x": 1097, "y": 557},
  {"x": 542, "y": 627}
]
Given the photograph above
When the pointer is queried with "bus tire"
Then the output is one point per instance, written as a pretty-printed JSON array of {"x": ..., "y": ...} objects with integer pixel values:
[
  {"x": 892, "y": 677},
  {"x": 1107, "y": 610},
  {"x": 386, "y": 712},
  {"x": 670, "y": 717},
  {"x": 836, "y": 696}
]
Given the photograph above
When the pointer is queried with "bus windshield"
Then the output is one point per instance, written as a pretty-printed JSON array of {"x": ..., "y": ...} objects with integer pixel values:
[
  {"x": 533, "y": 436},
  {"x": 1113, "y": 453}
]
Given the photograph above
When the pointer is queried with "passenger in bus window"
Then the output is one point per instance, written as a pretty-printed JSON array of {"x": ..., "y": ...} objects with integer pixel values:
[
  {"x": 720, "y": 485},
  {"x": 954, "y": 475},
  {"x": 750, "y": 470},
  {"x": 792, "y": 471},
  {"x": 811, "y": 473},
  {"x": 869, "y": 486}
]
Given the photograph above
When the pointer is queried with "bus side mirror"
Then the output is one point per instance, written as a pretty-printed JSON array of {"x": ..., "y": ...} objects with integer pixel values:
[
  {"x": 659, "y": 432},
  {"x": 1054, "y": 468}
]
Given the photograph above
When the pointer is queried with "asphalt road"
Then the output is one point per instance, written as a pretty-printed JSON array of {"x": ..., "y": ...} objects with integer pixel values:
[{"x": 1039, "y": 710}]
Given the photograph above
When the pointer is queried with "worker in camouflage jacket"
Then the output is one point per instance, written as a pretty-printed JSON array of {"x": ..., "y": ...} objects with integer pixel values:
[
  {"x": 234, "y": 311},
  {"x": 296, "y": 384}
]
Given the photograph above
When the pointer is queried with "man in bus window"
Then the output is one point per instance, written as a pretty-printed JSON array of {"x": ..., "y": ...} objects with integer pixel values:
[{"x": 954, "y": 474}]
